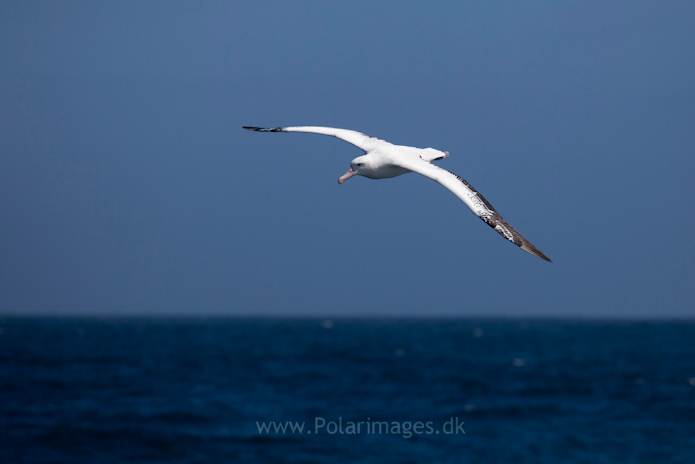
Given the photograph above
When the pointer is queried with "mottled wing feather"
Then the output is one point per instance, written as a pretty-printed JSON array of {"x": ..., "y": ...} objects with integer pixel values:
[
  {"x": 494, "y": 220},
  {"x": 475, "y": 201}
]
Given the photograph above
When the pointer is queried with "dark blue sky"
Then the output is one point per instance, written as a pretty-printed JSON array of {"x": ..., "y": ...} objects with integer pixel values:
[{"x": 127, "y": 185}]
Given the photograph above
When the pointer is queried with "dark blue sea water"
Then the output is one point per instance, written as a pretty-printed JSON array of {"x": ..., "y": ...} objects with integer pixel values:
[{"x": 197, "y": 390}]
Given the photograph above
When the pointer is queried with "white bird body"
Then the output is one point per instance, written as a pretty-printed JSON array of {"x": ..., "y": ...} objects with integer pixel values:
[{"x": 384, "y": 160}]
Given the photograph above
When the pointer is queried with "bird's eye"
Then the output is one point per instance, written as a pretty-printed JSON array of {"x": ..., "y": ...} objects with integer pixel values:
[{"x": 359, "y": 164}]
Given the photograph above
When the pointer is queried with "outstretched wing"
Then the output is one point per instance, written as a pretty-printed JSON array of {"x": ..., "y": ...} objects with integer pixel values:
[
  {"x": 475, "y": 201},
  {"x": 358, "y": 139}
]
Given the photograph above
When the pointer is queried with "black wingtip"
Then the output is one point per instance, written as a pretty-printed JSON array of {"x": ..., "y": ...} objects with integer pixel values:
[
  {"x": 264, "y": 129},
  {"x": 541, "y": 255},
  {"x": 528, "y": 247}
]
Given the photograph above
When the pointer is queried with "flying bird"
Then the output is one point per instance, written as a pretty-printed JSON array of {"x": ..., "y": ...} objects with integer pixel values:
[{"x": 383, "y": 160}]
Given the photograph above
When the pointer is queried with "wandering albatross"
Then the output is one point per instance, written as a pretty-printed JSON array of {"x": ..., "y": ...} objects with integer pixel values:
[{"x": 383, "y": 160}]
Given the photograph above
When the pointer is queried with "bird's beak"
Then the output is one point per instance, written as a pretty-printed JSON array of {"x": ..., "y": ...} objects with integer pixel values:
[{"x": 347, "y": 175}]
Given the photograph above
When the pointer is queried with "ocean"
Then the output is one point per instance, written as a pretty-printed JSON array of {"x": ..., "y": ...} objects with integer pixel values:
[{"x": 230, "y": 390}]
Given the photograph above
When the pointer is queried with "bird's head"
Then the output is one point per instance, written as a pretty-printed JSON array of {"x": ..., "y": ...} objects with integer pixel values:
[{"x": 360, "y": 166}]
